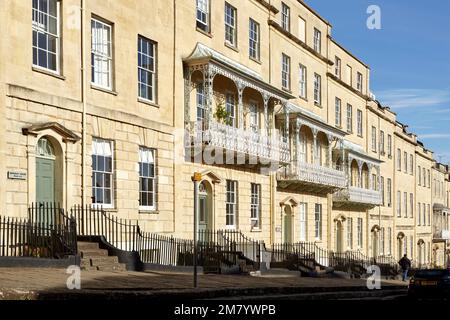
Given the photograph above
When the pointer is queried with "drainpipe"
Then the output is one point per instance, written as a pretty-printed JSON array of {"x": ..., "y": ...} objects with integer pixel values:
[{"x": 83, "y": 99}]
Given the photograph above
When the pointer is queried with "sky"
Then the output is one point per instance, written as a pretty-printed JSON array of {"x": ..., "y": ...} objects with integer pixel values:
[{"x": 409, "y": 59}]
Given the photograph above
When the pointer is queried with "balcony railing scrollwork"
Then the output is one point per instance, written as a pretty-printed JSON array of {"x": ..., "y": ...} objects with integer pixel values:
[
  {"x": 243, "y": 141},
  {"x": 359, "y": 195}
]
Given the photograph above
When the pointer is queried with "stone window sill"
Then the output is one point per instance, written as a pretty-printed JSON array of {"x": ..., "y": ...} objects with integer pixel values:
[
  {"x": 104, "y": 90},
  {"x": 48, "y": 73}
]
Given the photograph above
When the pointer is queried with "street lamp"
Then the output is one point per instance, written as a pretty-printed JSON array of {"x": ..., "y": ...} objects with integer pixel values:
[{"x": 196, "y": 178}]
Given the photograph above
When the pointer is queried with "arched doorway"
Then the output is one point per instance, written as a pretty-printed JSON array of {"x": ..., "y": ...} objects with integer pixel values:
[
  {"x": 45, "y": 172},
  {"x": 287, "y": 224},
  {"x": 339, "y": 237},
  {"x": 205, "y": 207}
]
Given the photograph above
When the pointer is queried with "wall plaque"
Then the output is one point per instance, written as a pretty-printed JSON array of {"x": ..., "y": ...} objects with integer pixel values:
[{"x": 17, "y": 175}]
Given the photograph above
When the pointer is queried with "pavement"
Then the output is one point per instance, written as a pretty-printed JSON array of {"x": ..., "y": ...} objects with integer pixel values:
[{"x": 44, "y": 284}]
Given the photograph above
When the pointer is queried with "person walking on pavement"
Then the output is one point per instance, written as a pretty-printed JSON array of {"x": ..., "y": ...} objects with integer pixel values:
[{"x": 405, "y": 264}]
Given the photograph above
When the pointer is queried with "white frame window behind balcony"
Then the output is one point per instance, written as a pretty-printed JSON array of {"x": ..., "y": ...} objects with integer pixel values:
[
  {"x": 317, "y": 89},
  {"x": 230, "y": 25},
  {"x": 389, "y": 192},
  {"x": 230, "y": 106},
  {"x": 317, "y": 40},
  {"x": 255, "y": 206},
  {"x": 374, "y": 182},
  {"x": 254, "y": 116},
  {"x": 231, "y": 204},
  {"x": 102, "y": 173},
  {"x": 302, "y": 147},
  {"x": 349, "y": 233},
  {"x": 337, "y": 67},
  {"x": 201, "y": 105},
  {"x": 374, "y": 139},
  {"x": 359, "y": 82},
  {"x": 46, "y": 34},
  {"x": 254, "y": 40},
  {"x": 349, "y": 118},
  {"x": 147, "y": 69},
  {"x": 338, "y": 112},
  {"x": 359, "y": 122},
  {"x": 285, "y": 72},
  {"x": 102, "y": 54},
  {"x": 360, "y": 232},
  {"x": 285, "y": 17},
  {"x": 318, "y": 221},
  {"x": 147, "y": 179},
  {"x": 302, "y": 81},
  {"x": 303, "y": 213},
  {"x": 202, "y": 18}
]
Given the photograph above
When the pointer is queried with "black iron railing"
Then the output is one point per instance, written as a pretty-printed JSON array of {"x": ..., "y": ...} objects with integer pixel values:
[{"x": 25, "y": 238}]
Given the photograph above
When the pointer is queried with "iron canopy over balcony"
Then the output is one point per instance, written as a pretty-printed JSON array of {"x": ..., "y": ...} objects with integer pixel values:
[
  {"x": 313, "y": 166},
  {"x": 363, "y": 172},
  {"x": 218, "y": 83}
]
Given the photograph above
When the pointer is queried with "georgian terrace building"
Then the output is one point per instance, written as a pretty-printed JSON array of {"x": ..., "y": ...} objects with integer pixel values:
[{"x": 102, "y": 106}]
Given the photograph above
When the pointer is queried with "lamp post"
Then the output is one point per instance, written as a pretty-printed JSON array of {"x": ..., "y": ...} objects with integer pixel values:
[{"x": 196, "y": 178}]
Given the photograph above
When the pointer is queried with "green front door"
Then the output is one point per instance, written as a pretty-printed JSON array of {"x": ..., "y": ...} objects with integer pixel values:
[{"x": 45, "y": 180}]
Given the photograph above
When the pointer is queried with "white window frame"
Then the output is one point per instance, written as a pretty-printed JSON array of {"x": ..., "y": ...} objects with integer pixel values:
[
  {"x": 374, "y": 139},
  {"x": 389, "y": 241},
  {"x": 360, "y": 233},
  {"x": 399, "y": 160},
  {"x": 302, "y": 148},
  {"x": 285, "y": 17},
  {"x": 338, "y": 67},
  {"x": 382, "y": 191},
  {"x": 317, "y": 89},
  {"x": 405, "y": 203},
  {"x": 359, "y": 122},
  {"x": 43, "y": 28},
  {"x": 303, "y": 220},
  {"x": 389, "y": 192},
  {"x": 254, "y": 40},
  {"x": 419, "y": 214},
  {"x": 231, "y": 204},
  {"x": 359, "y": 82},
  {"x": 382, "y": 151},
  {"x": 230, "y": 107},
  {"x": 303, "y": 73},
  {"x": 302, "y": 32},
  {"x": 285, "y": 72},
  {"x": 317, "y": 40},
  {"x": 99, "y": 56},
  {"x": 399, "y": 204},
  {"x": 424, "y": 214},
  {"x": 405, "y": 162},
  {"x": 389, "y": 145},
  {"x": 254, "y": 116},
  {"x": 429, "y": 214},
  {"x": 349, "y": 118},
  {"x": 230, "y": 25},
  {"x": 349, "y": 233},
  {"x": 202, "y": 15},
  {"x": 318, "y": 221},
  {"x": 420, "y": 175},
  {"x": 411, "y": 206},
  {"x": 411, "y": 164},
  {"x": 100, "y": 149},
  {"x": 338, "y": 112},
  {"x": 147, "y": 156},
  {"x": 148, "y": 69},
  {"x": 255, "y": 206}
]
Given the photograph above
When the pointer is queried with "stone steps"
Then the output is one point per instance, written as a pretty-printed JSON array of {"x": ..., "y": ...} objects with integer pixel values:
[{"x": 95, "y": 259}]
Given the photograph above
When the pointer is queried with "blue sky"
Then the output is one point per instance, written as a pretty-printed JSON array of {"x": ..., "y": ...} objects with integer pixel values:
[{"x": 409, "y": 59}]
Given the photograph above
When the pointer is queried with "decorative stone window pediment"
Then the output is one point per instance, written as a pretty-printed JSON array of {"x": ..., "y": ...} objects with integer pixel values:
[
  {"x": 289, "y": 201},
  {"x": 66, "y": 134}
]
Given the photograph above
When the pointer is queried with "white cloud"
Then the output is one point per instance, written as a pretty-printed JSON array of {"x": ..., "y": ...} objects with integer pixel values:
[
  {"x": 434, "y": 136},
  {"x": 413, "y": 98}
]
